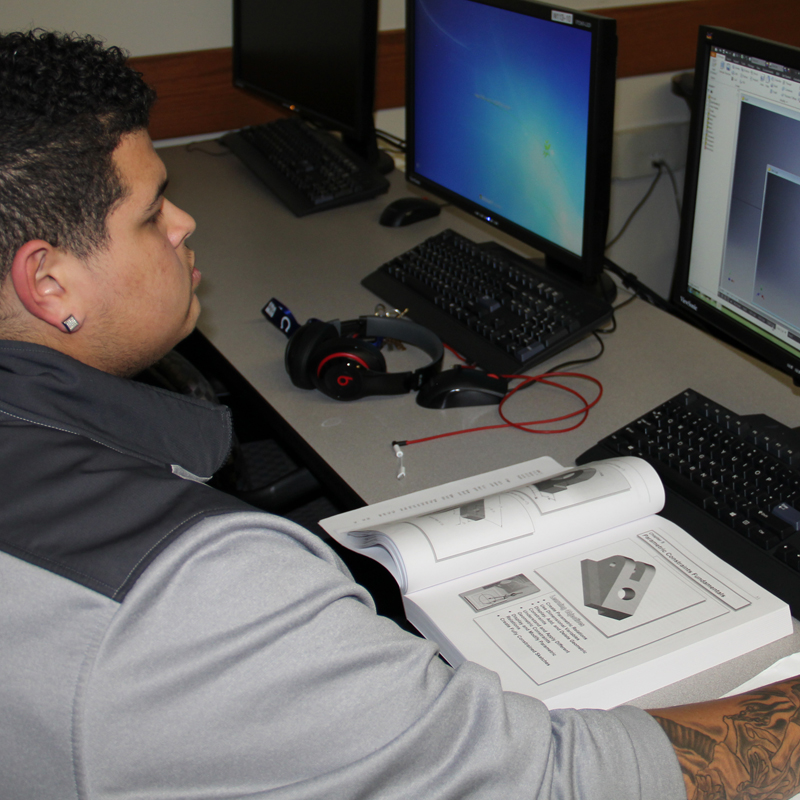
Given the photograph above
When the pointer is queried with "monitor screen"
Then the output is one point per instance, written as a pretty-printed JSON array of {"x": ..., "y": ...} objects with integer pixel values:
[
  {"x": 316, "y": 57},
  {"x": 739, "y": 257},
  {"x": 510, "y": 107}
]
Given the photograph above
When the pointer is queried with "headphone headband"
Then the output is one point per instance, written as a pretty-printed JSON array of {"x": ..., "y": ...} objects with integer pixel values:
[
  {"x": 331, "y": 357},
  {"x": 406, "y": 331}
]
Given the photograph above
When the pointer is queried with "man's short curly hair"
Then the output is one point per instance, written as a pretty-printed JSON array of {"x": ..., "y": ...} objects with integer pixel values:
[{"x": 65, "y": 102}]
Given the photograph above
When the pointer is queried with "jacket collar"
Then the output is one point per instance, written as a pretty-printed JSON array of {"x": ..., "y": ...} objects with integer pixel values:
[{"x": 189, "y": 436}]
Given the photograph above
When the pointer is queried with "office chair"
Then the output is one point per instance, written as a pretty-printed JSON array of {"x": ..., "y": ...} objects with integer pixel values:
[{"x": 259, "y": 472}]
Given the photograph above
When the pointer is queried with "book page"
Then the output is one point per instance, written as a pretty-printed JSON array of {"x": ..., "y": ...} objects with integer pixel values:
[
  {"x": 584, "y": 613},
  {"x": 434, "y": 536}
]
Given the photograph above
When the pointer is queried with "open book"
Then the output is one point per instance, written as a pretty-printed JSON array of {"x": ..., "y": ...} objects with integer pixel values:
[{"x": 564, "y": 581}]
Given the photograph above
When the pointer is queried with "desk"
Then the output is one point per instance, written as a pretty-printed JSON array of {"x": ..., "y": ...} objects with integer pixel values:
[{"x": 249, "y": 248}]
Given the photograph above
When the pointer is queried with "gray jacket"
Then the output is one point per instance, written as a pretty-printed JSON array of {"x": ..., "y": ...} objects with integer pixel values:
[{"x": 161, "y": 640}]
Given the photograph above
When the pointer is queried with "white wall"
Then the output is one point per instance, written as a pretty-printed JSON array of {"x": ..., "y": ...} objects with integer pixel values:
[
  {"x": 649, "y": 246},
  {"x": 148, "y": 27}
]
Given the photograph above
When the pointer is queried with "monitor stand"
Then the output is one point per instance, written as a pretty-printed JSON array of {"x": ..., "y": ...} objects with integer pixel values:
[
  {"x": 603, "y": 286},
  {"x": 371, "y": 153}
]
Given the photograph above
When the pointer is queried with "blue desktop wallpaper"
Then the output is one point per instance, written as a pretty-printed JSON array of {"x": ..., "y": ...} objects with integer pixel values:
[{"x": 501, "y": 107}]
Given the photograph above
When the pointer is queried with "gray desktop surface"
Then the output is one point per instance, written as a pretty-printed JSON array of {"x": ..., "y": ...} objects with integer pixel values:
[{"x": 250, "y": 248}]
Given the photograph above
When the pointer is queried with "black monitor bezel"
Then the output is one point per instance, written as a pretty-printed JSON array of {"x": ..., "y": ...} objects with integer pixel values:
[
  {"x": 587, "y": 267},
  {"x": 358, "y": 133},
  {"x": 716, "y": 322}
]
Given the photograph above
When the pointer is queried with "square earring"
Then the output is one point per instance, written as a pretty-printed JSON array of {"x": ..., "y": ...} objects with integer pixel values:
[{"x": 70, "y": 323}]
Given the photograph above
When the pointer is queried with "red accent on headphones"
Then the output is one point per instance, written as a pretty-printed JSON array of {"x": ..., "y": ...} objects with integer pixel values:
[{"x": 351, "y": 356}]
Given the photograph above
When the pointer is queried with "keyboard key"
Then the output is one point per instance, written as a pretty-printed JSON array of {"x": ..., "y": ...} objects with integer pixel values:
[
  {"x": 789, "y": 514},
  {"x": 789, "y": 555}
]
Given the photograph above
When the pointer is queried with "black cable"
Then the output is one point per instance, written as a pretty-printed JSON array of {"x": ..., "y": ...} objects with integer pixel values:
[
  {"x": 619, "y": 306},
  {"x": 391, "y": 139},
  {"x": 600, "y": 331},
  {"x": 596, "y": 333},
  {"x": 575, "y": 362},
  {"x": 632, "y": 283},
  {"x": 674, "y": 183},
  {"x": 629, "y": 280},
  {"x": 660, "y": 168}
]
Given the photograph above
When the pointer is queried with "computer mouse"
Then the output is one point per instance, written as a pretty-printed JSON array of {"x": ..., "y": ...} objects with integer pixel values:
[
  {"x": 460, "y": 387},
  {"x": 408, "y": 210}
]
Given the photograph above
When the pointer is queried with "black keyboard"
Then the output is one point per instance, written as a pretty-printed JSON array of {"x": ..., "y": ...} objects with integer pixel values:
[
  {"x": 308, "y": 169},
  {"x": 731, "y": 481},
  {"x": 495, "y": 308}
]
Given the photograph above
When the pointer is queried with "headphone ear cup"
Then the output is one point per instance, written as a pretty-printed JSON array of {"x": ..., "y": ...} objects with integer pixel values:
[
  {"x": 300, "y": 349},
  {"x": 338, "y": 367}
]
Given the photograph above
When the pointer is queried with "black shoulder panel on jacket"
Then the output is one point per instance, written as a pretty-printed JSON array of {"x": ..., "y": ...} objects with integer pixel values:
[{"x": 89, "y": 513}]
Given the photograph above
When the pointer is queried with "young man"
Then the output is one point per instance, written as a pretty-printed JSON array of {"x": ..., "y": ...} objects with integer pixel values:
[{"x": 163, "y": 640}]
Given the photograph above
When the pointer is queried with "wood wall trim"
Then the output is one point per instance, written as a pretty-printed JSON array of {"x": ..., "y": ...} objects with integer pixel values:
[
  {"x": 196, "y": 94},
  {"x": 390, "y": 74},
  {"x": 662, "y": 37}
]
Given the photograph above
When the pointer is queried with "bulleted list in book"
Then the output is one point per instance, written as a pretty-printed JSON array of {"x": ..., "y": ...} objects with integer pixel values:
[{"x": 565, "y": 581}]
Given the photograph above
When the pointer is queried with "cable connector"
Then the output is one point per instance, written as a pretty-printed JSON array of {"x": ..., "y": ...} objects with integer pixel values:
[{"x": 401, "y": 470}]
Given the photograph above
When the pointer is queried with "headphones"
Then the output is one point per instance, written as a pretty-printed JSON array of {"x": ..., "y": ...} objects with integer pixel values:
[{"x": 334, "y": 358}]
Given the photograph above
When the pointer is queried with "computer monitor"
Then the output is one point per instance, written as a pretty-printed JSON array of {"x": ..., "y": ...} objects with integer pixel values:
[
  {"x": 738, "y": 270},
  {"x": 315, "y": 57},
  {"x": 510, "y": 108}
]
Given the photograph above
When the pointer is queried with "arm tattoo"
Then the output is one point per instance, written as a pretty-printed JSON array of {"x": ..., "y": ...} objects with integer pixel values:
[
  {"x": 684, "y": 738},
  {"x": 751, "y": 754}
]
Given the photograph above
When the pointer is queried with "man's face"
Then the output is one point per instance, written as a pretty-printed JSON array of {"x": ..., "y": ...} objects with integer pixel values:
[{"x": 144, "y": 281}]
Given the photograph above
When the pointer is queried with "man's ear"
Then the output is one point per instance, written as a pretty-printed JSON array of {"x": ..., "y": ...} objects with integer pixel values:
[{"x": 39, "y": 274}]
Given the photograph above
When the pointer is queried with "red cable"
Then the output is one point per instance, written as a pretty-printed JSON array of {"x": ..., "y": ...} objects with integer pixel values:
[
  {"x": 587, "y": 406},
  {"x": 526, "y": 379}
]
